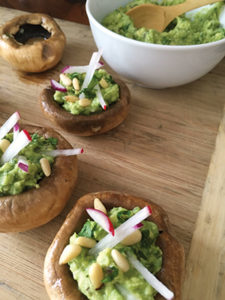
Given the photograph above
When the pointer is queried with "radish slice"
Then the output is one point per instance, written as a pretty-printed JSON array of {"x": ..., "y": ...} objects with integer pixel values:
[
  {"x": 16, "y": 146},
  {"x": 79, "y": 69},
  {"x": 124, "y": 292},
  {"x": 57, "y": 86},
  {"x": 91, "y": 69},
  {"x": 8, "y": 125},
  {"x": 66, "y": 152},
  {"x": 109, "y": 242},
  {"x": 23, "y": 164},
  {"x": 122, "y": 231},
  {"x": 102, "y": 219},
  {"x": 151, "y": 279},
  {"x": 16, "y": 130},
  {"x": 100, "y": 97},
  {"x": 138, "y": 226},
  {"x": 23, "y": 167}
]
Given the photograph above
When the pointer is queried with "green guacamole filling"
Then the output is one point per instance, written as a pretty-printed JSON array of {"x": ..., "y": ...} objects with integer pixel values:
[
  {"x": 14, "y": 180},
  {"x": 199, "y": 27},
  {"x": 132, "y": 281},
  {"x": 110, "y": 93}
]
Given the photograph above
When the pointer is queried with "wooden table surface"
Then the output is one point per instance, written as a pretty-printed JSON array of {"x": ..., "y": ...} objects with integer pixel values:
[{"x": 161, "y": 152}]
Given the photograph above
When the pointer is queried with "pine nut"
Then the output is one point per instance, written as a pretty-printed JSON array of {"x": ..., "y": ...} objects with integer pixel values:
[
  {"x": 76, "y": 84},
  {"x": 84, "y": 102},
  {"x": 103, "y": 83},
  {"x": 85, "y": 242},
  {"x": 69, "y": 252},
  {"x": 133, "y": 238},
  {"x": 4, "y": 144},
  {"x": 71, "y": 98},
  {"x": 99, "y": 205},
  {"x": 96, "y": 275},
  {"x": 45, "y": 165},
  {"x": 65, "y": 79},
  {"x": 120, "y": 260}
]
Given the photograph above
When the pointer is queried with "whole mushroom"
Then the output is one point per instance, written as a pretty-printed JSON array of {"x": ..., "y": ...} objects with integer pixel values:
[{"x": 32, "y": 42}]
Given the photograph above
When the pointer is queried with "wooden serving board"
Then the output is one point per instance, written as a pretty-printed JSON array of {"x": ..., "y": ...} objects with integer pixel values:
[{"x": 161, "y": 152}]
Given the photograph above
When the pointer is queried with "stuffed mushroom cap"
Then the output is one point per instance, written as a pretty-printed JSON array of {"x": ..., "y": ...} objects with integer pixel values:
[
  {"x": 58, "y": 279},
  {"x": 93, "y": 124},
  {"x": 37, "y": 206}
]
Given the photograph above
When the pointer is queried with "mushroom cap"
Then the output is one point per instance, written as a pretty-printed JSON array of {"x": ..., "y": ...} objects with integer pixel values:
[
  {"x": 38, "y": 55},
  {"x": 93, "y": 124},
  {"x": 37, "y": 206},
  {"x": 58, "y": 279}
]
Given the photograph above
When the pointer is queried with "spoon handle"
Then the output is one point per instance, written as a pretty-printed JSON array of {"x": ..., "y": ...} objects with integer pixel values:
[{"x": 186, "y": 6}]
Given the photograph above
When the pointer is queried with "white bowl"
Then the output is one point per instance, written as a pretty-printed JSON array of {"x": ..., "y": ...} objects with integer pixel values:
[{"x": 151, "y": 65}]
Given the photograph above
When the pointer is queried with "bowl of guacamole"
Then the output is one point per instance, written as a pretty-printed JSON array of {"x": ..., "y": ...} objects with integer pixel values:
[
  {"x": 67, "y": 275},
  {"x": 189, "y": 47}
]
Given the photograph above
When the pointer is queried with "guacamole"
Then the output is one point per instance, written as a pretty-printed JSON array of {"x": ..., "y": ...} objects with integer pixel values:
[
  {"x": 13, "y": 180},
  {"x": 146, "y": 252},
  {"x": 200, "y": 27},
  {"x": 109, "y": 90}
]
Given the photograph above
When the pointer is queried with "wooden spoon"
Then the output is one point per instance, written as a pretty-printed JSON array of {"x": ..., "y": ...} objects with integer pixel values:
[{"x": 157, "y": 17}]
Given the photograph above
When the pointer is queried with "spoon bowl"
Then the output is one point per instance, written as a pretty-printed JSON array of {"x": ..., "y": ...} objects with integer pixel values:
[
  {"x": 157, "y": 17},
  {"x": 150, "y": 16}
]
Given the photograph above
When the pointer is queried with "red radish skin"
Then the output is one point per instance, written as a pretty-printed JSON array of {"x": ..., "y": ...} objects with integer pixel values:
[
  {"x": 23, "y": 164},
  {"x": 16, "y": 127},
  {"x": 57, "y": 86},
  {"x": 138, "y": 226},
  {"x": 150, "y": 210},
  {"x": 65, "y": 68},
  {"x": 23, "y": 167},
  {"x": 27, "y": 134},
  {"x": 16, "y": 130},
  {"x": 9, "y": 124},
  {"x": 102, "y": 219}
]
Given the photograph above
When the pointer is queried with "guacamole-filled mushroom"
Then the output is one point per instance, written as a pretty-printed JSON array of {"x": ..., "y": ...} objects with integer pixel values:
[
  {"x": 32, "y": 42},
  {"x": 87, "y": 100},
  {"x": 34, "y": 185},
  {"x": 72, "y": 245}
]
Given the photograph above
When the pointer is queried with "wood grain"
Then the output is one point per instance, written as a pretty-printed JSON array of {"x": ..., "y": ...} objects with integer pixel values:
[
  {"x": 161, "y": 152},
  {"x": 206, "y": 262}
]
